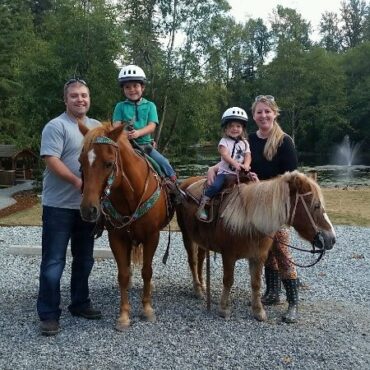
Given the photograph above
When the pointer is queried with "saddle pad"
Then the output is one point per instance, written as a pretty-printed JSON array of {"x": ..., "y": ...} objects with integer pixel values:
[{"x": 195, "y": 190}]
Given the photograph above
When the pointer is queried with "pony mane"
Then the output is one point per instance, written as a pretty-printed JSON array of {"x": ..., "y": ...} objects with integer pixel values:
[
  {"x": 264, "y": 206},
  {"x": 92, "y": 134}
]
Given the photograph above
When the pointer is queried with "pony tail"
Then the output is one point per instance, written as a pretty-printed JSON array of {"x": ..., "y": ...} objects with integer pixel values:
[{"x": 273, "y": 142}]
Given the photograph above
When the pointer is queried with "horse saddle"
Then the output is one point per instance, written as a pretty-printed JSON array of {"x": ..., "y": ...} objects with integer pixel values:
[{"x": 196, "y": 190}]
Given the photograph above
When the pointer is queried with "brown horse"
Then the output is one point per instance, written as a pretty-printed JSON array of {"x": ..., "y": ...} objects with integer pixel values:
[
  {"x": 121, "y": 187},
  {"x": 248, "y": 219}
]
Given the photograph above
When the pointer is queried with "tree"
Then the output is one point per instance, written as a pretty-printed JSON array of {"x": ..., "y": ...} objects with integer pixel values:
[
  {"x": 331, "y": 35},
  {"x": 256, "y": 45},
  {"x": 353, "y": 15},
  {"x": 367, "y": 25},
  {"x": 310, "y": 90},
  {"x": 355, "y": 64},
  {"x": 75, "y": 39},
  {"x": 288, "y": 26},
  {"x": 16, "y": 35}
]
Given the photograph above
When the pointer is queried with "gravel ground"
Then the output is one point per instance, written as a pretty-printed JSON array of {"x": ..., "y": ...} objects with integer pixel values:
[{"x": 333, "y": 331}]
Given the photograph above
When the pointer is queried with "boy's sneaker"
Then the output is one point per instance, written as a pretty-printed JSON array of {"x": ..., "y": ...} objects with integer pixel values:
[
  {"x": 49, "y": 327},
  {"x": 174, "y": 190}
]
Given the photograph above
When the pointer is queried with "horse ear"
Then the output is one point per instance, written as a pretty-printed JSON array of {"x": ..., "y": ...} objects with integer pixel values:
[
  {"x": 116, "y": 133},
  {"x": 83, "y": 129}
]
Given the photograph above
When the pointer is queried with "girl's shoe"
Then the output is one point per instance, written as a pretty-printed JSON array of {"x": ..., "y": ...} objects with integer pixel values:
[{"x": 202, "y": 214}]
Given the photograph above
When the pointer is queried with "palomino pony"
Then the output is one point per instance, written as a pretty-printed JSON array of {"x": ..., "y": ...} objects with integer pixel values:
[
  {"x": 248, "y": 219},
  {"x": 121, "y": 187}
]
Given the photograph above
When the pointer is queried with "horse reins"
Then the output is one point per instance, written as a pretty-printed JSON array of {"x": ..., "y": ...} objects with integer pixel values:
[
  {"x": 313, "y": 224},
  {"x": 119, "y": 221}
]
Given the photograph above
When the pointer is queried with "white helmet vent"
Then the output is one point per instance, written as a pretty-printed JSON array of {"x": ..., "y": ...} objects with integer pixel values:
[
  {"x": 131, "y": 73},
  {"x": 234, "y": 113}
]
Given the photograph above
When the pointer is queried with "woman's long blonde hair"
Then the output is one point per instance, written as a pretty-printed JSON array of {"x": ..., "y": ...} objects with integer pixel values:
[{"x": 277, "y": 134}]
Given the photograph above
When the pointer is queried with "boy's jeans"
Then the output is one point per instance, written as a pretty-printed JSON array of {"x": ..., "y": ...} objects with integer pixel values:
[{"x": 163, "y": 162}]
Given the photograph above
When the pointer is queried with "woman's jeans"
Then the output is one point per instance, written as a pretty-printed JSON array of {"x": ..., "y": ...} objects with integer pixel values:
[{"x": 59, "y": 226}]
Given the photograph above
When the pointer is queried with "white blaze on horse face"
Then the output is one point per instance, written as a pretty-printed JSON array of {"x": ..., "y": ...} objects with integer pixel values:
[
  {"x": 91, "y": 157},
  {"x": 329, "y": 222}
]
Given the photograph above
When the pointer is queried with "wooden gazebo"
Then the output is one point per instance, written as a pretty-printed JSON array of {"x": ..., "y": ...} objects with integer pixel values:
[{"x": 16, "y": 164}]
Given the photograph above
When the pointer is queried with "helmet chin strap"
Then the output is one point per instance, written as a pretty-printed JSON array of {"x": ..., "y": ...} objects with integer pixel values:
[{"x": 136, "y": 110}]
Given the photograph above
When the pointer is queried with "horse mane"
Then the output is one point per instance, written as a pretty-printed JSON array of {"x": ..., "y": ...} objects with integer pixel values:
[
  {"x": 264, "y": 206},
  {"x": 92, "y": 134}
]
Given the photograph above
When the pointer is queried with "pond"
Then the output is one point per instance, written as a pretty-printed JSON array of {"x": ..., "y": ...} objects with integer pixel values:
[
  {"x": 328, "y": 175},
  {"x": 334, "y": 175}
]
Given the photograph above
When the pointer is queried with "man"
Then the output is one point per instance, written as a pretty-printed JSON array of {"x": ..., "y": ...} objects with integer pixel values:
[{"x": 61, "y": 221}]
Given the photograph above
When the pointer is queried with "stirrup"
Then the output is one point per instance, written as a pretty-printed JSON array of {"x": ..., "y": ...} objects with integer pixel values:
[
  {"x": 202, "y": 215},
  {"x": 174, "y": 191}
]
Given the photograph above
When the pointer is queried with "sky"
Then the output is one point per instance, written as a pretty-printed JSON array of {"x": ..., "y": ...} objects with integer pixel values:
[{"x": 310, "y": 10}]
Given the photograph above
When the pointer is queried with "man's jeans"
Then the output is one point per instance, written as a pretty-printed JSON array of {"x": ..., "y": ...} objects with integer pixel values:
[{"x": 61, "y": 225}]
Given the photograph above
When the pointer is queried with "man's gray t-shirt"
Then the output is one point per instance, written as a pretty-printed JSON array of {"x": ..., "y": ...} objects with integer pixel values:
[{"x": 62, "y": 138}]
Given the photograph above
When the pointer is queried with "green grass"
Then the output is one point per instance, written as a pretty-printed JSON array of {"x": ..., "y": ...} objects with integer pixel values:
[{"x": 344, "y": 207}]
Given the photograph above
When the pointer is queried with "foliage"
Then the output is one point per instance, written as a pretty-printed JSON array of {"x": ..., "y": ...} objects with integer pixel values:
[{"x": 198, "y": 61}]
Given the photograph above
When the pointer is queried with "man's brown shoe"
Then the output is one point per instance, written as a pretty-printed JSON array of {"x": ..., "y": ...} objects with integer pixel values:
[
  {"x": 49, "y": 327},
  {"x": 87, "y": 313}
]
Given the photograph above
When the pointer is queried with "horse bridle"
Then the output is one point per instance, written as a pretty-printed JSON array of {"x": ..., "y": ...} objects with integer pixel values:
[
  {"x": 318, "y": 238},
  {"x": 119, "y": 221}
]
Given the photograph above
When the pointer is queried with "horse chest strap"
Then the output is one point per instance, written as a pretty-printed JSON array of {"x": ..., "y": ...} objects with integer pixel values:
[
  {"x": 148, "y": 204},
  {"x": 114, "y": 215}
]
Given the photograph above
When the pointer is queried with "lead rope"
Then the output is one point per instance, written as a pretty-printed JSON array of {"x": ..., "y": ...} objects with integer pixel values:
[
  {"x": 208, "y": 279},
  {"x": 291, "y": 218}
]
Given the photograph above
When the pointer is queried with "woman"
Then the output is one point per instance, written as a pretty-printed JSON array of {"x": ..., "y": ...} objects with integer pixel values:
[{"x": 273, "y": 153}]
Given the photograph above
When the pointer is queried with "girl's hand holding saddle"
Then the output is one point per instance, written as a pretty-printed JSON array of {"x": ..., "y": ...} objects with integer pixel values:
[
  {"x": 237, "y": 166},
  {"x": 253, "y": 176},
  {"x": 211, "y": 174}
]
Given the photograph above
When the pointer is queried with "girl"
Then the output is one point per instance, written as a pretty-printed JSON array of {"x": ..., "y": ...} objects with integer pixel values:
[{"x": 234, "y": 151}]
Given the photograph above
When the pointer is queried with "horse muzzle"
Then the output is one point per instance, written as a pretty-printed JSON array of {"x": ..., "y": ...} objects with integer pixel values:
[
  {"x": 90, "y": 214},
  {"x": 324, "y": 240}
]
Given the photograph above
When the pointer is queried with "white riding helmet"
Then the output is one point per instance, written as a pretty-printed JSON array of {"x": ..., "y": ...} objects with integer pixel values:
[
  {"x": 131, "y": 73},
  {"x": 234, "y": 114}
]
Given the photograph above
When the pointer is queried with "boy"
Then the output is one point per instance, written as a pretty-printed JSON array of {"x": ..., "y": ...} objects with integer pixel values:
[{"x": 141, "y": 114}]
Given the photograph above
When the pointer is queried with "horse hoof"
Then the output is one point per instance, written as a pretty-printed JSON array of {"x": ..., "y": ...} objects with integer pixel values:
[
  {"x": 149, "y": 316},
  {"x": 199, "y": 294},
  {"x": 122, "y": 326},
  {"x": 260, "y": 316},
  {"x": 224, "y": 313}
]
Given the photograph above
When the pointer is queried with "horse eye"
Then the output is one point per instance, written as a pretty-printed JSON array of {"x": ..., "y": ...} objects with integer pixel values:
[{"x": 108, "y": 165}]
